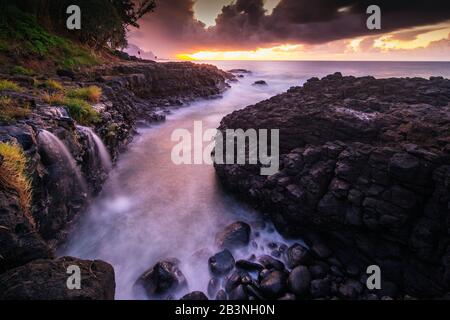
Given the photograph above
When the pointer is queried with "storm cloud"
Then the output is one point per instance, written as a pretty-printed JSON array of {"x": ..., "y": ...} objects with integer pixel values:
[{"x": 245, "y": 24}]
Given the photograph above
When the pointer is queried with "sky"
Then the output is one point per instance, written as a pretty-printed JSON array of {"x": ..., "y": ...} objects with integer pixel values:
[{"x": 295, "y": 30}]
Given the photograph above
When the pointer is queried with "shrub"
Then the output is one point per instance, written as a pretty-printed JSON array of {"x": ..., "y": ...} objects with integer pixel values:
[
  {"x": 9, "y": 85},
  {"x": 56, "y": 98},
  {"x": 10, "y": 110},
  {"x": 22, "y": 71},
  {"x": 91, "y": 93},
  {"x": 53, "y": 84},
  {"x": 81, "y": 111},
  {"x": 13, "y": 176}
]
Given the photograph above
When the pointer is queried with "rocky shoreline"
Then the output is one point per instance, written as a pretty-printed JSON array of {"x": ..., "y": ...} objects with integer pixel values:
[
  {"x": 364, "y": 173},
  {"x": 66, "y": 167}
]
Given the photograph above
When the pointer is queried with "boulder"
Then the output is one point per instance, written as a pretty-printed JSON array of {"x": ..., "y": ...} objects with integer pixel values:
[
  {"x": 297, "y": 255},
  {"x": 234, "y": 236},
  {"x": 221, "y": 263},
  {"x": 320, "y": 288},
  {"x": 195, "y": 295},
  {"x": 45, "y": 279},
  {"x": 299, "y": 280},
  {"x": 274, "y": 284},
  {"x": 164, "y": 277},
  {"x": 260, "y": 83}
]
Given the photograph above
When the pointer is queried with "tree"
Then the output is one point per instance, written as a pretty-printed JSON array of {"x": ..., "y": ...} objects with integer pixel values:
[{"x": 104, "y": 22}]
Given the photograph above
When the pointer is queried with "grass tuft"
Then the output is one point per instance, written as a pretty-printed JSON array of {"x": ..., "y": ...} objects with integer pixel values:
[
  {"x": 9, "y": 85},
  {"x": 91, "y": 93},
  {"x": 10, "y": 110},
  {"x": 13, "y": 176},
  {"x": 56, "y": 98},
  {"x": 81, "y": 111},
  {"x": 53, "y": 84},
  {"x": 19, "y": 70}
]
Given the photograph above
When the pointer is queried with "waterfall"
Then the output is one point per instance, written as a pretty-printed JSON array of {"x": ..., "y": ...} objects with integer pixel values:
[
  {"x": 57, "y": 148},
  {"x": 97, "y": 143}
]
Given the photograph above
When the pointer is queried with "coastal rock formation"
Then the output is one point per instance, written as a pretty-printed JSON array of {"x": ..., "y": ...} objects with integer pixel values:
[
  {"x": 67, "y": 163},
  {"x": 364, "y": 178},
  {"x": 47, "y": 280},
  {"x": 163, "y": 278}
]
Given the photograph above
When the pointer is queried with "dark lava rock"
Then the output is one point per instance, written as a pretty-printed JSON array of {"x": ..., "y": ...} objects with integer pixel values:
[
  {"x": 233, "y": 236},
  {"x": 319, "y": 270},
  {"x": 260, "y": 83},
  {"x": 248, "y": 265},
  {"x": 299, "y": 280},
  {"x": 271, "y": 263},
  {"x": 350, "y": 289},
  {"x": 221, "y": 263},
  {"x": 297, "y": 255},
  {"x": 213, "y": 286},
  {"x": 238, "y": 293},
  {"x": 195, "y": 295},
  {"x": 274, "y": 284},
  {"x": 369, "y": 169},
  {"x": 232, "y": 281},
  {"x": 164, "y": 277},
  {"x": 44, "y": 279},
  {"x": 320, "y": 288},
  {"x": 321, "y": 251},
  {"x": 221, "y": 295},
  {"x": 288, "y": 296},
  {"x": 239, "y": 71}
]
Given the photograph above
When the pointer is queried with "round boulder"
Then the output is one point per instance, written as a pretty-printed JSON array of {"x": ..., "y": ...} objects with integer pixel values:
[
  {"x": 274, "y": 285},
  {"x": 162, "y": 278},
  {"x": 234, "y": 236},
  {"x": 221, "y": 263},
  {"x": 195, "y": 295},
  {"x": 299, "y": 280}
]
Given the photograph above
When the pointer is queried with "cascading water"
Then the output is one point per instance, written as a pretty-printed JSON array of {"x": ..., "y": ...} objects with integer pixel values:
[
  {"x": 99, "y": 147},
  {"x": 58, "y": 149}
]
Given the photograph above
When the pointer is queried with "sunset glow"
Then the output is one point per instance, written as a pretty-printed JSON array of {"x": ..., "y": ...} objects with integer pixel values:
[{"x": 384, "y": 47}]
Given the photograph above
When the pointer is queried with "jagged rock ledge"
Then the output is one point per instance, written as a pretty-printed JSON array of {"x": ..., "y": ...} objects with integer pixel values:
[
  {"x": 365, "y": 169},
  {"x": 133, "y": 93}
]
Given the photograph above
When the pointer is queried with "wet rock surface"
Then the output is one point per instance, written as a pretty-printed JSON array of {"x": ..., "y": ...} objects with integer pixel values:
[
  {"x": 221, "y": 263},
  {"x": 163, "y": 278},
  {"x": 45, "y": 279},
  {"x": 234, "y": 236},
  {"x": 364, "y": 179},
  {"x": 133, "y": 94}
]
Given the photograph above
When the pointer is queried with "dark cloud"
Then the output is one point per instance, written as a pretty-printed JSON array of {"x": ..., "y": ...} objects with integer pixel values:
[{"x": 246, "y": 25}]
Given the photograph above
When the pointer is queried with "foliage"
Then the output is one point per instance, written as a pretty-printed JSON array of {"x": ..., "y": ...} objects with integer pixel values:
[
  {"x": 9, "y": 85},
  {"x": 21, "y": 32},
  {"x": 104, "y": 22},
  {"x": 13, "y": 176},
  {"x": 56, "y": 98},
  {"x": 91, "y": 93},
  {"x": 19, "y": 70},
  {"x": 10, "y": 110},
  {"x": 53, "y": 84},
  {"x": 81, "y": 111}
]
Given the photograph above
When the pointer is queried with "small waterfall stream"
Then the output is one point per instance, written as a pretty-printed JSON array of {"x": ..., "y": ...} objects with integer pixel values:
[
  {"x": 53, "y": 145},
  {"x": 98, "y": 148}
]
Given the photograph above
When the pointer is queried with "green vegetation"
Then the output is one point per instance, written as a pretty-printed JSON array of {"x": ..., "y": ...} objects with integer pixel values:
[
  {"x": 9, "y": 85},
  {"x": 19, "y": 70},
  {"x": 81, "y": 111},
  {"x": 21, "y": 32},
  {"x": 13, "y": 176},
  {"x": 53, "y": 84},
  {"x": 91, "y": 93},
  {"x": 10, "y": 110}
]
